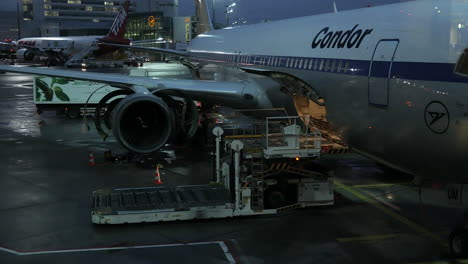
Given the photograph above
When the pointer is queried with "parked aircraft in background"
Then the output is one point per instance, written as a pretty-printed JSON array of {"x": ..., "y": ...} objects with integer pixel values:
[{"x": 61, "y": 49}]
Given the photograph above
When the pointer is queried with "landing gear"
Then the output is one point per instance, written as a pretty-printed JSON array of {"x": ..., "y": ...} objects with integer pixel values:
[
  {"x": 52, "y": 62},
  {"x": 458, "y": 243}
]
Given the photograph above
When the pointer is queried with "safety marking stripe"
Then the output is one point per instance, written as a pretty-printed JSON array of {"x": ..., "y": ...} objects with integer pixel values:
[
  {"x": 416, "y": 227},
  {"x": 278, "y": 166},
  {"x": 366, "y": 238},
  {"x": 336, "y": 151},
  {"x": 221, "y": 244}
]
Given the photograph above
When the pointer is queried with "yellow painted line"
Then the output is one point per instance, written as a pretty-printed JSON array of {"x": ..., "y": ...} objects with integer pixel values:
[
  {"x": 379, "y": 185},
  {"x": 366, "y": 238},
  {"x": 416, "y": 227}
]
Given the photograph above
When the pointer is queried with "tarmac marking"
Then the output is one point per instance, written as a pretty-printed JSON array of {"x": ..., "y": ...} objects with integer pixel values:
[
  {"x": 383, "y": 201},
  {"x": 221, "y": 244},
  {"x": 366, "y": 238},
  {"x": 416, "y": 227},
  {"x": 379, "y": 185}
]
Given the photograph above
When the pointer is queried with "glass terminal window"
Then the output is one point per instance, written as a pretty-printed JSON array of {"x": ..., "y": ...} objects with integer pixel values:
[{"x": 462, "y": 65}]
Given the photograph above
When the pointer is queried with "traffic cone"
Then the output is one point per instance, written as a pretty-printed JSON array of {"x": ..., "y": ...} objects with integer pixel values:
[
  {"x": 91, "y": 160},
  {"x": 157, "y": 176}
]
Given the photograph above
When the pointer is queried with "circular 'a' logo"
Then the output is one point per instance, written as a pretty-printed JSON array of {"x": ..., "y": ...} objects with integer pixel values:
[{"x": 437, "y": 117}]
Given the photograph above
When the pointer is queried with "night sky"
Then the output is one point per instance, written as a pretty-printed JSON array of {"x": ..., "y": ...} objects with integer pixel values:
[{"x": 256, "y": 10}]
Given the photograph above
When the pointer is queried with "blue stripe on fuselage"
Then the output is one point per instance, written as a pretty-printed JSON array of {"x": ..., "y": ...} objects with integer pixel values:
[{"x": 424, "y": 71}]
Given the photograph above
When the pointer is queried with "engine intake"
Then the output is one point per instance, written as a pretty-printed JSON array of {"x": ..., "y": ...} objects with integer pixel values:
[
  {"x": 142, "y": 123},
  {"x": 24, "y": 55}
]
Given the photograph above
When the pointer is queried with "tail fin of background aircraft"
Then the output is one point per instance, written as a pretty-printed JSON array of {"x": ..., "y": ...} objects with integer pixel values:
[
  {"x": 203, "y": 17},
  {"x": 117, "y": 30}
]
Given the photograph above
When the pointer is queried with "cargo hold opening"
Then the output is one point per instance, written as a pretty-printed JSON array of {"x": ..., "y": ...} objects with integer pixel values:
[{"x": 317, "y": 114}]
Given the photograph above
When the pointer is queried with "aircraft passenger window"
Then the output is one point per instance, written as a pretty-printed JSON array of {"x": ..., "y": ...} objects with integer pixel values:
[
  {"x": 346, "y": 67},
  {"x": 340, "y": 66},
  {"x": 300, "y": 64},
  {"x": 316, "y": 61},
  {"x": 321, "y": 64},
  {"x": 327, "y": 65},
  {"x": 287, "y": 63},
  {"x": 462, "y": 64},
  {"x": 333, "y": 67},
  {"x": 311, "y": 63}
]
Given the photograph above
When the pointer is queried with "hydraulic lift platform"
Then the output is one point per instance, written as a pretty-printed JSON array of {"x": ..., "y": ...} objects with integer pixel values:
[{"x": 242, "y": 184}]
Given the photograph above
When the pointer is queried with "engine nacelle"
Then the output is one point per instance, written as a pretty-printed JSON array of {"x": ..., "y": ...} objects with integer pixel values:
[
  {"x": 142, "y": 123},
  {"x": 24, "y": 55}
]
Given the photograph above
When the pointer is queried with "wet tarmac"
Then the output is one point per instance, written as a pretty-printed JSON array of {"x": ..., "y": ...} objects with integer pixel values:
[{"x": 45, "y": 202}]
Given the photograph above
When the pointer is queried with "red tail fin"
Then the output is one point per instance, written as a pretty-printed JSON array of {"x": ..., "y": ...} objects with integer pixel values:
[{"x": 117, "y": 30}]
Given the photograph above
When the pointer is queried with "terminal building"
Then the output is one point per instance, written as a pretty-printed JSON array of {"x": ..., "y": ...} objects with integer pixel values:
[{"x": 50, "y": 18}]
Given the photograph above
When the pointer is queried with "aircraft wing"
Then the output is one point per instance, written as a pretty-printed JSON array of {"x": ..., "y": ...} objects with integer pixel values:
[
  {"x": 232, "y": 94},
  {"x": 149, "y": 49}
]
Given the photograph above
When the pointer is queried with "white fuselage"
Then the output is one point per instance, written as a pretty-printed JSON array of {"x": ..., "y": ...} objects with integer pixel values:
[
  {"x": 68, "y": 46},
  {"x": 389, "y": 84}
]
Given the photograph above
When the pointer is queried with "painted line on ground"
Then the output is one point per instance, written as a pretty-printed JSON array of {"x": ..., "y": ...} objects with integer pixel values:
[
  {"x": 241, "y": 256},
  {"x": 416, "y": 227},
  {"x": 221, "y": 244},
  {"x": 382, "y": 200},
  {"x": 379, "y": 185},
  {"x": 366, "y": 238}
]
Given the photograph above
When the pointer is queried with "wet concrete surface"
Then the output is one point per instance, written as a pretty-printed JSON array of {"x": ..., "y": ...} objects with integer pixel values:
[{"x": 45, "y": 204}]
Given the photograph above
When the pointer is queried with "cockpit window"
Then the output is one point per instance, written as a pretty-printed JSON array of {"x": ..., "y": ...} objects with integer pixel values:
[{"x": 462, "y": 65}]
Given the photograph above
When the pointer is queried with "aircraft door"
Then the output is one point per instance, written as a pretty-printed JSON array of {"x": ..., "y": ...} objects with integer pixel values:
[{"x": 380, "y": 71}]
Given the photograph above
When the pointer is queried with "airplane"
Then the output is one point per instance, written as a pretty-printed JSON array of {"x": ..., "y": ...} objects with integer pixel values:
[
  {"x": 60, "y": 49},
  {"x": 392, "y": 80}
]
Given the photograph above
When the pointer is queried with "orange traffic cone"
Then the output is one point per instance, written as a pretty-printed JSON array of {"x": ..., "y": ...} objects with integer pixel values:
[
  {"x": 157, "y": 176},
  {"x": 91, "y": 160}
]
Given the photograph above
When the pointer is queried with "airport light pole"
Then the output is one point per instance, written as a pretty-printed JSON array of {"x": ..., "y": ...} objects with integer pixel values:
[
  {"x": 18, "y": 17},
  {"x": 213, "y": 7}
]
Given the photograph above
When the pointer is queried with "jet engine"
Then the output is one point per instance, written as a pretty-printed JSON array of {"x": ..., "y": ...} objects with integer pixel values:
[
  {"x": 24, "y": 55},
  {"x": 142, "y": 123}
]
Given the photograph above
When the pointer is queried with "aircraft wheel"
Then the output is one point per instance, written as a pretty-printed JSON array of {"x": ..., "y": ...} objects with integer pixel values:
[
  {"x": 458, "y": 243},
  {"x": 274, "y": 198}
]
